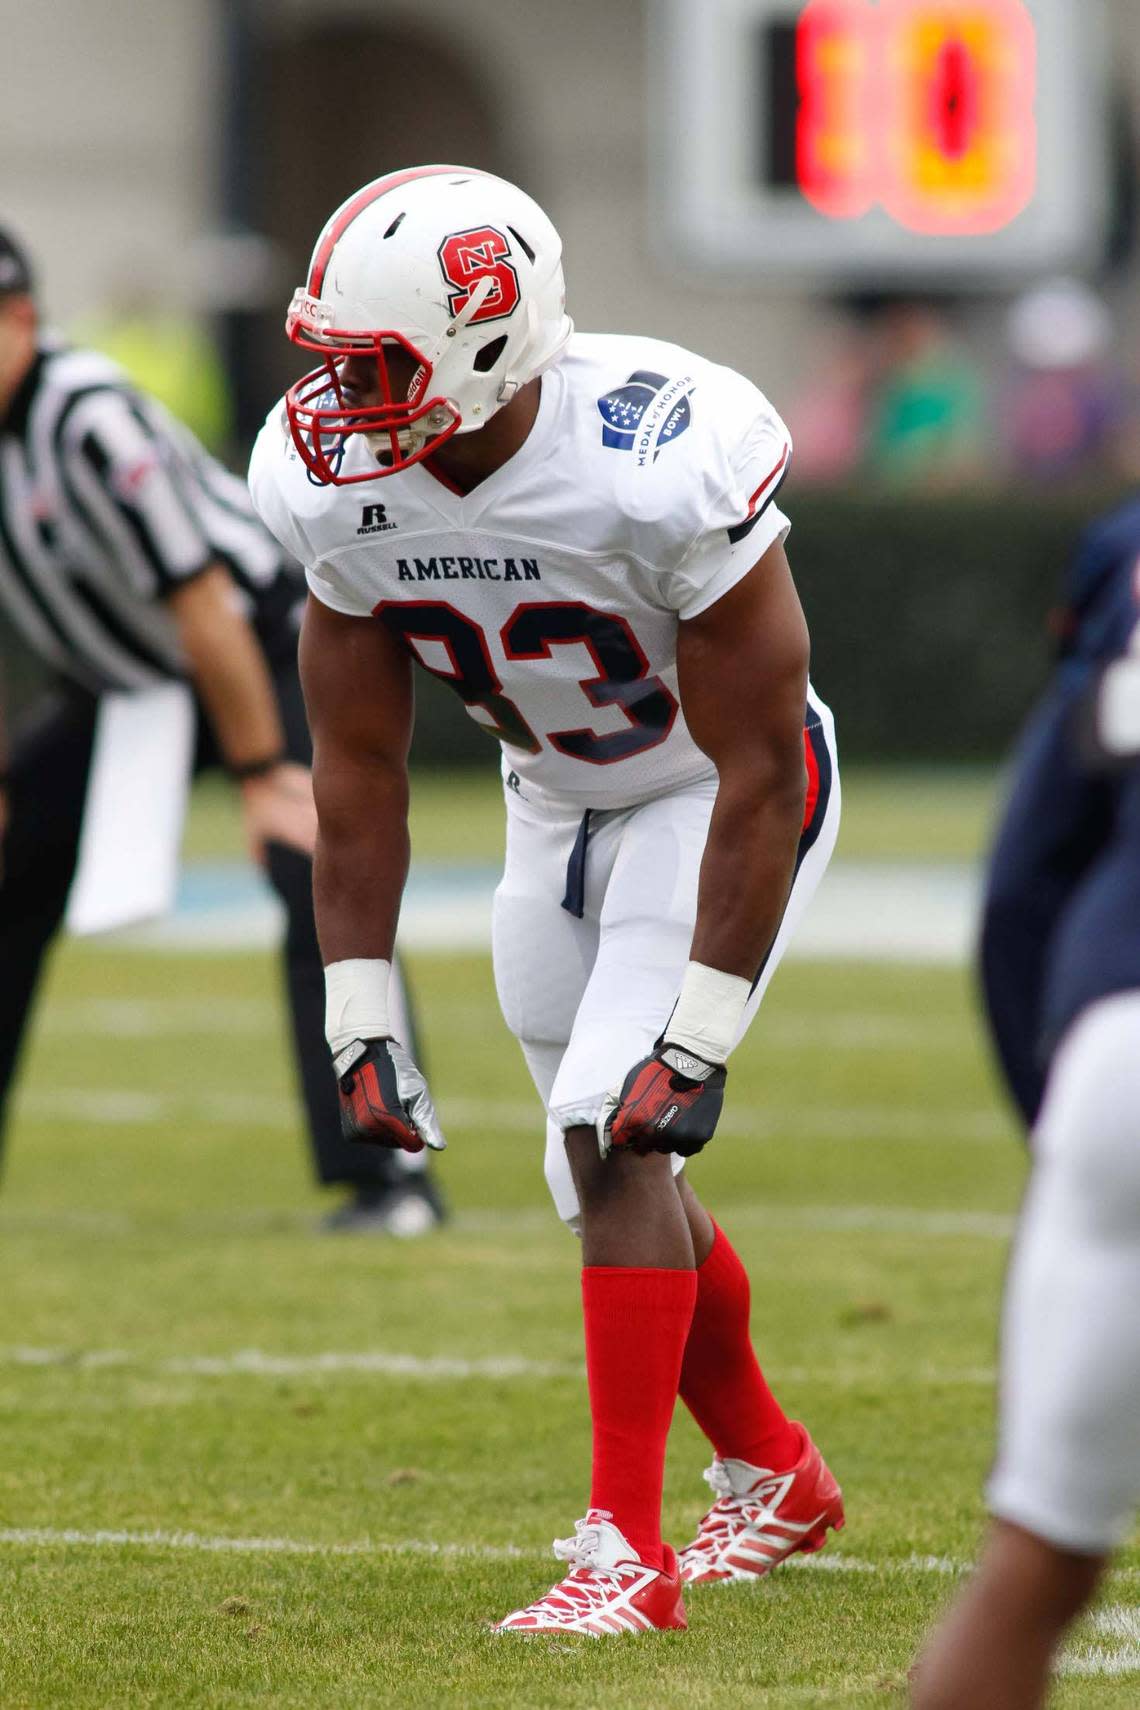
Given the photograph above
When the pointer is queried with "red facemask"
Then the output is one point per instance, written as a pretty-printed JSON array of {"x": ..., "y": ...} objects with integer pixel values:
[{"x": 321, "y": 418}]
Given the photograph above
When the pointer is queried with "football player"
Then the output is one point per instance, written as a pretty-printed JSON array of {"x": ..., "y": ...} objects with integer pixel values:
[
  {"x": 1061, "y": 965},
  {"x": 580, "y": 535}
]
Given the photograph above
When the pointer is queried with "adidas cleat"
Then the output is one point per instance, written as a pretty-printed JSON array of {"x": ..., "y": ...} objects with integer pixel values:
[
  {"x": 761, "y": 1517},
  {"x": 607, "y": 1589}
]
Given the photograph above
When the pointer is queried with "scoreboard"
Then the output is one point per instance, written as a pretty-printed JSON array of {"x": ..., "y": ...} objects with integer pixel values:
[{"x": 914, "y": 143}]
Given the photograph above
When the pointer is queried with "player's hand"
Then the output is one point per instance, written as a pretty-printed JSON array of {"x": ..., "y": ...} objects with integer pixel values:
[
  {"x": 669, "y": 1102},
  {"x": 278, "y": 808},
  {"x": 384, "y": 1100}
]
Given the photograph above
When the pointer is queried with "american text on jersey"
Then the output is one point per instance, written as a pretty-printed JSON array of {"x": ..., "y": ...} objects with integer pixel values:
[{"x": 468, "y": 570}]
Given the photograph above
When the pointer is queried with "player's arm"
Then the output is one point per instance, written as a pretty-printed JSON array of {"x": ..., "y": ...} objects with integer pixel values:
[
  {"x": 357, "y": 680},
  {"x": 225, "y": 661},
  {"x": 742, "y": 669}
]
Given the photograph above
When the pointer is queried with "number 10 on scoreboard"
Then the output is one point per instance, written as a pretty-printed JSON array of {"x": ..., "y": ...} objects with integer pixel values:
[
  {"x": 927, "y": 143},
  {"x": 923, "y": 107}
]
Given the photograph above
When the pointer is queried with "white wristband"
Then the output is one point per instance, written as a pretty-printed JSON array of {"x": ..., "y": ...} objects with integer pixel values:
[
  {"x": 709, "y": 1012},
  {"x": 356, "y": 1001}
]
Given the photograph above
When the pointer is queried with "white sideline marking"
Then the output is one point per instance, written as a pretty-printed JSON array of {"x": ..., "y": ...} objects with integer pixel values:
[
  {"x": 106, "y": 1538},
  {"x": 802, "y": 1121},
  {"x": 881, "y": 911},
  {"x": 157, "y": 1017},
  {"x": 120, "y": 1107},
  {"x": 174, "y": 1017},
  {"x": 65, "y": 1537},
  {"x": 254, "y": 1362},
  {"x": 1117, "y": 1622},
  {"x": 536, "y": 1220}
]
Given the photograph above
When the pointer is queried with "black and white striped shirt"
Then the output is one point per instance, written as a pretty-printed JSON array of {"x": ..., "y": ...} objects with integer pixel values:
[{"x": 106, "y": 505}]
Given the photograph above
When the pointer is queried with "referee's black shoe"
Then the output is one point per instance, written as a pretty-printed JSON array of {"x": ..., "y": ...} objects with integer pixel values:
[{"x": 404, "y": 1209}]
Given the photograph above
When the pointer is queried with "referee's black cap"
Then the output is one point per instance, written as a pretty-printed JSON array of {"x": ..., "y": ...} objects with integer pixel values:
[{"x": 15, "y": 269}]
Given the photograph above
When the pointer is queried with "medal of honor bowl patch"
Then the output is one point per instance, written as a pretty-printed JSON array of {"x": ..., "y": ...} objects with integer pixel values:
[{"x": 645, "y": 414}]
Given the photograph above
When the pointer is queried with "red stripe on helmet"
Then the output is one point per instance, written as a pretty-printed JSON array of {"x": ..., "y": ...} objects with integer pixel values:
[{"x": 364, "y": 199}]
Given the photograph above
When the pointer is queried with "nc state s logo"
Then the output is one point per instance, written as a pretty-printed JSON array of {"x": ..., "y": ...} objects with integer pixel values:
[{"x": 467, "y": 257}]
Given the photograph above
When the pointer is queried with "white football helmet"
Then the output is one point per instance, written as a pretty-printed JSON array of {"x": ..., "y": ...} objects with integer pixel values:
[{"x": 457, "y": 268}]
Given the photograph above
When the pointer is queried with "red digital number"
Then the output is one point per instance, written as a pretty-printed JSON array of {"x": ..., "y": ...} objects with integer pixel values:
[
  {"x": 959, "y": 127},
  {"x": 923, "y": 106},
  {"x": 835, "y": 157}
]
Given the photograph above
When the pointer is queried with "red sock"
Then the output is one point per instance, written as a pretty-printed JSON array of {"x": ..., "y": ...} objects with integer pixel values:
[
  {"x": 721, "y": 1381},
  {"x": 636, "y": 1324}
]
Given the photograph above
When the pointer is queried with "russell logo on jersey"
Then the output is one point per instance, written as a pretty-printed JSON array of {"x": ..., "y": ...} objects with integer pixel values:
[
  {"x": 645, "y": 414},
  {"x": 374, "y": 520}
]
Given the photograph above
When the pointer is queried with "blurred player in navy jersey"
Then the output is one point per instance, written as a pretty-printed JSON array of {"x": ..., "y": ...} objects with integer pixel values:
[
  {"x": 1061, "y": 973},
  {"x": 580, "y": 534}
]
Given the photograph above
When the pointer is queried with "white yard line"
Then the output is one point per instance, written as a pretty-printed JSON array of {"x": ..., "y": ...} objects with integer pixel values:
[
  {"x": 53, "y": 1537},
  {"x": 816, "y": 1219},
  {"x": 1116, "y": 1621},
  {"x": 121, "y": 1107},
  {"x": 254, "y": 1362},
  {"x": 529, "y": 1220},
  {"x": 160, "y": 1017},
  {"x": 107, "y": 1538},
  {"x": 174, "y": 1017},
  {"x": 1114, "y": 1648},
  {"x": 1112, "y": 1651},
  {"x": 124, "y": 1106},
  {"x": 442, "y": 1368},
  {"x": 885, "y": 911}
]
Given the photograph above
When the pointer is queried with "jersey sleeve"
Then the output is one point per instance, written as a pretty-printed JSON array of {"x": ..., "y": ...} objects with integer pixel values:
[
  {"x": 129, "y": 478},
  {"x": 268, "y": 466},
  {"x": 740, "y": 518}
]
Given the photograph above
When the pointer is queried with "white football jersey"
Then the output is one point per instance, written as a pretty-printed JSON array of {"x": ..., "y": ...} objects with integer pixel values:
[{"x": 549, "y": 596}]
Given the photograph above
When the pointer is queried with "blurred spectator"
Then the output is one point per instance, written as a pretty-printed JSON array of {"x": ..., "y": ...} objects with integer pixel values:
[
  {"x": 166, "y": 351},
  {"x": 926, "y": 420},
  {"x": 828, "y": 420},
  {"x": 1066, "y": 413}
]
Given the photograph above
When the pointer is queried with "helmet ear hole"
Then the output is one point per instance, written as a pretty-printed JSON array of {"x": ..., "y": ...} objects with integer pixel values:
[
  {"x": 522, "y": 243},
  {"x": 486, "y": 358}
]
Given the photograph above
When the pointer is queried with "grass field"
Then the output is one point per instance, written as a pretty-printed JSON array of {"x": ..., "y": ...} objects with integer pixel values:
[{"x": 246, "y": 1464}]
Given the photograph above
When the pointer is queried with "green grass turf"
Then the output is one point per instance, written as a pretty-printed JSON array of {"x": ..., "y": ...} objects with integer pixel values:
[
  {"x": 901, "y": 813},
  {"x": 156, "y": 1210}
]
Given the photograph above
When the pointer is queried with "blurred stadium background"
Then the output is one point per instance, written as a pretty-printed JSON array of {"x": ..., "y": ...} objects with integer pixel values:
[
  {"x": 960, "y": 331},
  {"x": 235, "y": 1447}
]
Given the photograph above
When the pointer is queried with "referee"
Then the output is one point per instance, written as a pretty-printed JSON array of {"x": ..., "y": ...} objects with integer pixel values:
[{"x": 122, "y": 546}]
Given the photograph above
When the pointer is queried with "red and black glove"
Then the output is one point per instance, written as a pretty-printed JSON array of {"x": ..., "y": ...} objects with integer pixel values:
[
  {"x": 669, "y": 1102},
  {"x": 384, "y": 1100}
]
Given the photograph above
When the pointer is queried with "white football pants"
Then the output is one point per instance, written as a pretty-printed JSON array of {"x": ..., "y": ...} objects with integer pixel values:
[
  {"x": 586, "y": 998},
  {"x": 1068, "y": 1466}
]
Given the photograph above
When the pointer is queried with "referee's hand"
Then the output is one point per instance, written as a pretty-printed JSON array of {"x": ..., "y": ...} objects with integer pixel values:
[{"x": 278, "y": 808}]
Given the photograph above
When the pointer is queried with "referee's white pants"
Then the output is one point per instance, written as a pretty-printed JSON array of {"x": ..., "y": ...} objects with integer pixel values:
[{"x": 586, "y": 998}]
